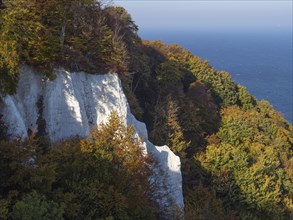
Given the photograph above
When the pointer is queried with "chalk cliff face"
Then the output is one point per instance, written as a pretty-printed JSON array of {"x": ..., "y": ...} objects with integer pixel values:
[{"x": 73, "y": 104}]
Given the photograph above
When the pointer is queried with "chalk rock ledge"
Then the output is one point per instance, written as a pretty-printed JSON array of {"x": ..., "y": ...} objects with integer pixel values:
[{"x": 73, "y": 104}]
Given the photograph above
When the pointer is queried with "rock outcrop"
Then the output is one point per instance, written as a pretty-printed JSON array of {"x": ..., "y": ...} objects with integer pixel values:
[{"x": 73, "y": 104}]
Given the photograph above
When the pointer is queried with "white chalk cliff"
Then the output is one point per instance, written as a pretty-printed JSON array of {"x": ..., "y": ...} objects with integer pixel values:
[{"x": 73, "y": 104}]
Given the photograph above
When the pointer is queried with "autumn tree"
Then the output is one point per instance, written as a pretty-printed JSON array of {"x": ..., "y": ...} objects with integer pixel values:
[
  {"x": 167, "y": 130},
  {"x": 76, "y": 34},
  {"x": 176, "y": 139},
  {"x": 97, "y": 177},
  {"x": 246, "y": 100},
  {"x": 101, "y": 176},
  {"x": 248, "y": 163}
]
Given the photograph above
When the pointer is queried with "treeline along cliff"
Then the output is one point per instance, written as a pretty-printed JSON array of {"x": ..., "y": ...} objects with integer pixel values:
[{"x": 235, "y": 150}]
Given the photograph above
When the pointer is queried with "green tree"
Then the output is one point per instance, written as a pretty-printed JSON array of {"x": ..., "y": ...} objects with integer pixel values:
[
  {"x": 101, "y": 176},
  {"x": 167, "y": 130},
  {"x": 176, "y": 139},
  {"x": 200, "y": 204},
  {"x": 246, "y": 100},
  {"x": 247, "y": 163},
  {"x": 48, "y": 34},
  {"x": 36, "y": 206},
  {"x": 168, "y": 73},
  {"x": 25, "y": 37}
]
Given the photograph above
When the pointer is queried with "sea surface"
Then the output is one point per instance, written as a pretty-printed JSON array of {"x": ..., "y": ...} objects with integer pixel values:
[{"x": 259, "y": 60}]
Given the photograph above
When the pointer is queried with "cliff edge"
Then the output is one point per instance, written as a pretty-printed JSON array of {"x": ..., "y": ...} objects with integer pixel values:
[{"x": 73, "y": 104}]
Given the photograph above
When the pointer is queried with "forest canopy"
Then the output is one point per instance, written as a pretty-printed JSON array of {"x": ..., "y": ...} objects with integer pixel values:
[
  {"x": 94, "y": 178},
  {"x": 76, "y": 34},
  {"x": 236, "y": 151}
]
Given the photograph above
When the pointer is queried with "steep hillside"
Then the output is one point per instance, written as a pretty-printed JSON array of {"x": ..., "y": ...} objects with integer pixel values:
[
  {"x": 236, "y": 151},
  {"x": 73, "y": 105}
]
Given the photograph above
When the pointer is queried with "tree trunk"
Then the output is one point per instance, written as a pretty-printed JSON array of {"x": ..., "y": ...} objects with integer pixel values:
[{"x": 62, "y": 38}]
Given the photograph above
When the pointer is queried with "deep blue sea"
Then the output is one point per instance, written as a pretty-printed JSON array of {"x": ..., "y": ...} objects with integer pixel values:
[{"x": 259, "y": 60}]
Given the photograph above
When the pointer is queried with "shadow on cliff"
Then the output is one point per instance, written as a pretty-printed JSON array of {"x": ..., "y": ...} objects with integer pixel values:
[{"x": 166, "y": 184}]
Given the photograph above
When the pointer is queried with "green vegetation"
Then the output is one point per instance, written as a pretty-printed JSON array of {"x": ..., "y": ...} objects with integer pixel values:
[
  {"x": 96, "y": 178},
  {"x": 250, "y": 163},
  {"x": 236, "y": 151},
  {"x": 76, "y": 34}
]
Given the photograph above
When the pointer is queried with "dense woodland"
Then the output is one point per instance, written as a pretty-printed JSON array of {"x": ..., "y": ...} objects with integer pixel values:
[{"x": 236, "y": 151}]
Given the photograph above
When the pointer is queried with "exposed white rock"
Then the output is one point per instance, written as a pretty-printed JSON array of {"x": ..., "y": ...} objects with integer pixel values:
[{"x": 72, "y": 105}]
